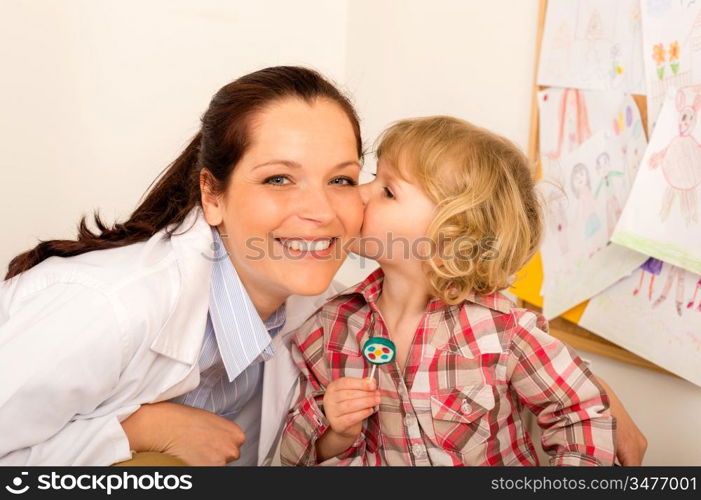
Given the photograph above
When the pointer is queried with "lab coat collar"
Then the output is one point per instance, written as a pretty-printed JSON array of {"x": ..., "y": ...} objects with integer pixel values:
[{"x": 181, "y": 336}]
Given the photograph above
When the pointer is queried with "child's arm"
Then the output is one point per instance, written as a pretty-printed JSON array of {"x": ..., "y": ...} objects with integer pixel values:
[
  {"x": 324, "y": 425},
  {"x": 555, "y": 384}
]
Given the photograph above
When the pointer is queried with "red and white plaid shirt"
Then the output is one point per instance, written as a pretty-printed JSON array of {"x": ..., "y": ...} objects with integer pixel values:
[{"x": 471, "y": 370}]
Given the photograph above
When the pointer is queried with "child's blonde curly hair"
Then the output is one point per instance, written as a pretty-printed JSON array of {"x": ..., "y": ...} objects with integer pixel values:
[{"x": 488, "y": 220}]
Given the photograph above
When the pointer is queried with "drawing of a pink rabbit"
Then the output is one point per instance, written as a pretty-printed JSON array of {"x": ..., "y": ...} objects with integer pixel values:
[{"x": 681, "y": 163}]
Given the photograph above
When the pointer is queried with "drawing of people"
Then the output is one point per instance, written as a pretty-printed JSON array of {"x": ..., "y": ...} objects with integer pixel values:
[
  {"x": 675, "y": 274},
  {"x": 559, "y": 55},
  {"x": 681, "y": 163},
  {"x": 595, "y": 39},
  {"x": 635, "y": 30},
  {"x": 654, "y": 268},
  {"x": 693, "y": 299},
  {"x": 557, "y": 218},
  {"x": 573, "y": 123},
  {"x": 581, "y": 187},
  {"x": 613, "y": 207}
]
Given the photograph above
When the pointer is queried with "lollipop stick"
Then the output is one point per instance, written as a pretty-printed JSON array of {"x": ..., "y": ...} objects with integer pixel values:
[{"x": 372, "y": 372}]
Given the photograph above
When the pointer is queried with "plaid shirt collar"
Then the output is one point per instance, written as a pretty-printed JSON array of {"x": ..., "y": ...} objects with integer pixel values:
[{"x": 371, "y": 288}]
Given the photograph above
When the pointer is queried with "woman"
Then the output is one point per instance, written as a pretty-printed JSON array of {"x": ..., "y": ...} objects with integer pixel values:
[{"x": 172, "y": 315}]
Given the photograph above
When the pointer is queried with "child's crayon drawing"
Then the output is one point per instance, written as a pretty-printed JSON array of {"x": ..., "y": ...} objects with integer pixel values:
[
  {"x": 661, "y": 216},
  {"x": 593, "y": 44},
  {"x": 607, "y": 188},
  {"x": 578, "y": 261},
  {"x": 653, "y": 268},
  {"x": 690, "y": 304},
  {"x": 680, "y": 161},
  {"x": 671, "y": 49},
  {"x": 567, "y": 118},
  {"x": 661, "y": 325}
]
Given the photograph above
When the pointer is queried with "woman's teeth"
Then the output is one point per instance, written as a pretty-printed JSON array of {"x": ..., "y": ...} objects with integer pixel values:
[{"x": 307, "y": 246}]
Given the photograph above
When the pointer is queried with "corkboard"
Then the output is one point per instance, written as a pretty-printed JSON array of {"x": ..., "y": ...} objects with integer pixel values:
[{"x": 527, "y": 285}]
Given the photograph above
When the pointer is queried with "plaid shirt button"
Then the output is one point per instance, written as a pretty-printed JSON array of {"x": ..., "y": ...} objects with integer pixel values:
[
  {"x": 418, "y": 450},
  {"x": 424, "y": 420}
]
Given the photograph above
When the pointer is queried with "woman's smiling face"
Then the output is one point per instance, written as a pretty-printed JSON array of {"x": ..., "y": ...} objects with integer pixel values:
[{"x": 291, "y": 204}]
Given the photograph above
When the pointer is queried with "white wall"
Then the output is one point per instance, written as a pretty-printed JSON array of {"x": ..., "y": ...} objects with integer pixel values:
[
  {"x": 98, "y": 96},
  {"x": 471, "y": 59},
  {"x": 665, "y": 408}
]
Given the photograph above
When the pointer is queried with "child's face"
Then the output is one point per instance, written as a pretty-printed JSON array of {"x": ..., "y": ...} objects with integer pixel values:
[{"x": 397, "y": 216}]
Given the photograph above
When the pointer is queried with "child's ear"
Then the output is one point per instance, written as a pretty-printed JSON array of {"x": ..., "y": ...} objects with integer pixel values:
[{"x": 212, "y": 203}]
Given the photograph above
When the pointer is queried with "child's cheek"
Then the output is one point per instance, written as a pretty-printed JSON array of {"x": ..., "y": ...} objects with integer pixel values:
[{"x": 371, "y": 221}]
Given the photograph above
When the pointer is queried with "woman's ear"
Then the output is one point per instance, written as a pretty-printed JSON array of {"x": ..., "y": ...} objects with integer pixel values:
[{"x": 212, "y": 200}]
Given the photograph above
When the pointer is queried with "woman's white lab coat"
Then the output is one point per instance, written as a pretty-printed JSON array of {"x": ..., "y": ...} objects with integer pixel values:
[{"x": 85, "y": 340}]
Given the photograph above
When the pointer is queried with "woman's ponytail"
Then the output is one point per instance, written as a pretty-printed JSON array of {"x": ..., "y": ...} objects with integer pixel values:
[
  {"x": 174, "y": 194},
  {"x": 217, "y": 147}
]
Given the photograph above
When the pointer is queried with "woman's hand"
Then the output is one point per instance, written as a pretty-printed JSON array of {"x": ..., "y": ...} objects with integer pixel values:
[
  {"x": 195, "y": 436},
  {"x": 630, "y": 442}
]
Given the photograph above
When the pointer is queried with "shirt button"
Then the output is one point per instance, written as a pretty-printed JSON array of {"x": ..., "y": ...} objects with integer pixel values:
[
  {"x": 465, "y": 407},
  {"x": 418, "y": 450},
  {"x": 408, "y": 420}
]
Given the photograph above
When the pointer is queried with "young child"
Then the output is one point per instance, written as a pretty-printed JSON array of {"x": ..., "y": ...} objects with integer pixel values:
[{"x": 451, "y": 217}]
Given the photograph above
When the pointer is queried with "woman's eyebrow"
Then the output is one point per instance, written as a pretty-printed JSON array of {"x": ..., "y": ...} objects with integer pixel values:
[
  {"x": 294, "y": 164},
  {"x": 349, "y": 163}
]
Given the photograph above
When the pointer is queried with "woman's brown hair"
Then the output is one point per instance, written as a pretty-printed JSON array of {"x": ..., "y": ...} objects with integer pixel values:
[{"x": 221, "y": 142}]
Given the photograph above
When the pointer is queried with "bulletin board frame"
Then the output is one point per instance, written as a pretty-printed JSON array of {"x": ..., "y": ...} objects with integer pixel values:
[{"x": 565, "y": 327}]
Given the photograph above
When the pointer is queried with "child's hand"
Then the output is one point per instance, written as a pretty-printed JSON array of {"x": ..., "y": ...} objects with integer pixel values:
[{"x": 347, "y": 402}]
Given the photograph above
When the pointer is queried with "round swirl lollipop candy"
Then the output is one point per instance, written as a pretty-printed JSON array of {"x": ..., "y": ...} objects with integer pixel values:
[{"x": 378, "y": 351}]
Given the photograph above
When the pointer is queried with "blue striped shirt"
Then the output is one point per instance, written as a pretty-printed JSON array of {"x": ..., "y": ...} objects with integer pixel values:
[{"x": 236, "y": 345}]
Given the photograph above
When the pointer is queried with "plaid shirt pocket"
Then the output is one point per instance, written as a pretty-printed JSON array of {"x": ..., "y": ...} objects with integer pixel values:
[{"x": 459, "y": 417}]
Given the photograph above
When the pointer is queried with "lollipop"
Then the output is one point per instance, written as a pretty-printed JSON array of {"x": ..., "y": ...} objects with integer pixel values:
[{"x": 378, "y": 351}]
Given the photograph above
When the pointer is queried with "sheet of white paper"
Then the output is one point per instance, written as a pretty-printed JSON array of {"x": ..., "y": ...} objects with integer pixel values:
[
  {"x": 656, "y": 314},
  {"x": 593, "y": 44},
  {"x": 662, "y": 217},
  {"x": 568, "y": 117},
  {"x": 671, "y": 49},
  {"x": 583, "y": 200}
]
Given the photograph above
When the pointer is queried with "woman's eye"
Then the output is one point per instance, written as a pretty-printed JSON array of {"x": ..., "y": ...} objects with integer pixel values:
[
  {"x": 388, "y": 193},
  {"x": 276, "y": 180},
  {"x": 344, "y": 181}
]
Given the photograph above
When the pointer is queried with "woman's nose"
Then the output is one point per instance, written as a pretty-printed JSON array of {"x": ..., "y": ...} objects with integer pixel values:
[{"x": 318, "y": 207}]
